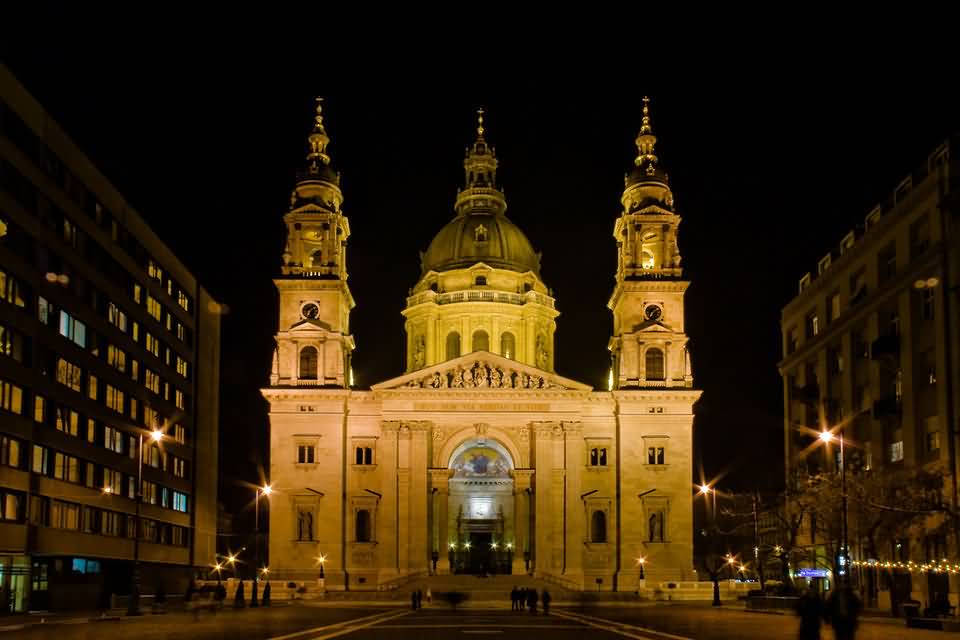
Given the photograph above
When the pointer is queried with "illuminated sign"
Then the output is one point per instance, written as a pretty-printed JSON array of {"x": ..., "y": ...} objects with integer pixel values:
[{"x": 812, "y": 573}]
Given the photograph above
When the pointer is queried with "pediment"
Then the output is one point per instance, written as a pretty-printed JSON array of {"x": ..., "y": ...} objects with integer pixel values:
[
  {"x": 309, "y": 324},
  {"x": 653, "y": 326},
  {"x": 482, "y": 370}
]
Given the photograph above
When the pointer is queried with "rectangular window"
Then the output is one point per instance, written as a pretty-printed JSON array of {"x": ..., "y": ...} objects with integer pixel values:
[
  {"x": 153, "y": 307},
  {"x": 117, "y": 358},
  {"x": 135, "y": 331},
  {"x": 151, "y": 380},
  {"x": 64, "y": 515},
  {"x": 833, "y": 307},
  {"x": 11, "y": 397},
  {"x": 113, "y": 439},
  {"x": 11, "y": 291},
  {"x": 111, "y": 523},
  {"x": 656, "y": 455},
  {"x": 92, "y": 387},
  {"x": 933, "y": 434},
  {"x": 180, "y": 434},
  {"x": 305, "y": 454},
  {"x": 896, "y": 446},
  {"x": 44, "y": 310},
  {"x": 11, "y": 344},
  {"x": 137, "y": 293},
  {"x": 179, "y": 467},
  {"x": 39, "y": 409},
  {"x": 178, "y": 399},
  {"x": 9, "y": 452},
  {"x": 112, "y": 481},
  {"x": 133, "y": 409},
  {"x": 793, "y": 340},
  {"x": 180, "y": 332},
  {"x": 73, "y": 329},
  {"x": 183, "y": 300},
  {"x": 114, "y": 398},
  {"x": 66, "y": 468},
  {"x": 90, "y": 475},
  {"x": 152, "y": 344},
  {"x": 181, "y": 366},
  {"x": 150, "y": 417},
  {"x": 41, "y": 460},
  {"x": 148, "y": 492},
  {"x": 858, "y": 286},
  {"x": 180, "y": 501},
  {"x": 154, "y": 271},
  {"x": 117, "y": 317},
  {"x": 134, "y": 370},
  {"x": 68, "y": 421},
  {"x": 69, "y": 374},
  {"x": 12, "y": 505},
  {"x": 91, "y": 430},
  {"x": 813, "y": 325}
]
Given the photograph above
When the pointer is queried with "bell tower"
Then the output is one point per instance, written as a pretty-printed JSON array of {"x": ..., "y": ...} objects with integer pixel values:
[
  {"x": 649, "y": 345},
  {"x": 313, "y": 341}
]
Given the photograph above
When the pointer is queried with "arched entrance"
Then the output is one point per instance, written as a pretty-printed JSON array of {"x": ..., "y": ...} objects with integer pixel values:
[{"x": 481, "y": 508}]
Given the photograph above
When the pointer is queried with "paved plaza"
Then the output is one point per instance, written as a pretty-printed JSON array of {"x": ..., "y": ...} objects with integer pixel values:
[{"x": 313, "y": 622}]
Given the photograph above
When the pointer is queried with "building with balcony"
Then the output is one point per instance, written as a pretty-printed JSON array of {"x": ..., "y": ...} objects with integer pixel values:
[
  {"x": 870, "y": 349},
  {"x": 105, "y": 337}
]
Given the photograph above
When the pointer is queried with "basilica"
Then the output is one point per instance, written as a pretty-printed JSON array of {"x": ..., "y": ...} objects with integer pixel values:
[{"x": 481, "y": 458}]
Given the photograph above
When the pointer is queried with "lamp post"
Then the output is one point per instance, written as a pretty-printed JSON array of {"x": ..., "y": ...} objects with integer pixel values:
[
  {"x": 133, "y": 604},
  {"x": 844, "y": 561},
  {"x": 265, "y": 490}
]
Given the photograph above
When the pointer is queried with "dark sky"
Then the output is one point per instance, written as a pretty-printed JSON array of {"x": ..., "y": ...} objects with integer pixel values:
[{"x": 769, "y": 166}]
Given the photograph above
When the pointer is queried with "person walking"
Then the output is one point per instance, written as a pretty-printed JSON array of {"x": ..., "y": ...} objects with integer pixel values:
[
  {"x": 532, "y": 601},
  {"x": 419, "y": 599},
  {"x": 843, "y": 612},
  {"x": 429, "y": 597},
  {"x": 545, "y": 598},
  {"x": 810, "y": 609},
  {"x": 413, "y": 600},
  {"x": 513, "y": 598}
]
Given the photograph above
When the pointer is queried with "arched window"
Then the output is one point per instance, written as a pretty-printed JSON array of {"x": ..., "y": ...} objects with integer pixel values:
[
  {"x": 363, "y": 525},
  {"x": 453, "y": 345},
  {"x": 598, "y": 527},
  {"x": 655, "y": 364},
  {"x": 655, "y": 529},
  {"x": 308, "y": 363},
  {"x": 481, "y": 281},
  {"x": 481, "y": 341},
  {"x": 508, "y": 345},
  {"x": 316, "y": 258}
]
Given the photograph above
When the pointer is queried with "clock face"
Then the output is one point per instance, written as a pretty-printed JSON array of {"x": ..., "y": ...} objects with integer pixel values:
[
  {"x": 653, "y": 312},
  {"x": 310, "y": 310}
]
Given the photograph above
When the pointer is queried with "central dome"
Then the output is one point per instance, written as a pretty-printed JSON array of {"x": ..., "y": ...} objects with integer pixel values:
[{"x": 472, "y": 238}]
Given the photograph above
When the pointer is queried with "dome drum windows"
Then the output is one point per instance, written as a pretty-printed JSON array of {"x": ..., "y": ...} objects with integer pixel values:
[
  {"x": 508, "y": 345},
  {"x": 453, "y": 345},
  {"x": 481, "y": 341}
]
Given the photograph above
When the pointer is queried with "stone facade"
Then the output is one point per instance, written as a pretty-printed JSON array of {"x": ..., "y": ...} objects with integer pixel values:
[{"x": 481, "y": 458}]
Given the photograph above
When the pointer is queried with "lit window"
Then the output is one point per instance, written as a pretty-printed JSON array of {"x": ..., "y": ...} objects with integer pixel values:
[
  {"x": 181, "y": 366},
  {"x": 73, "y": 329},
  {"x": 183, "y": 300},
  {"x": 137, "y": 293},
  {"x": 116, "y": 357},
  {"x": 10, "y": 290},
  {"x": 656, "y": 455},
  {"x": 9, "y": 452},
  {"x": 151, "y": 380},
  {"x": 114, "y": 398},
  {"x": 117, "y": 317},
  {"x": 896, "y": 447},
  {"x": 153, "y": 345},
  {"x": 178, "y": 399},
  {"x": 153, "y": 307},
  {"x": 68, "y": 421},
  {"x": 39, "y": 409},
  {"x": 180, "y": 501},
  {"x": 11, "y": 397},
  {"x": 69, "y": 374},
  {"x": 44, "y": 310},
  {"x": 92, "y": 387},
  {"x": 11, "y": 344},
  {"x": 154, "y": 271},
  {"x": 180, "y": 434}
]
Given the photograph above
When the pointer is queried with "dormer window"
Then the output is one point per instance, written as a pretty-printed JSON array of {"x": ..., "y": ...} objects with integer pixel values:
[
  {"x": 480, "y": 281},
  {"x": 480, "y": 233}
]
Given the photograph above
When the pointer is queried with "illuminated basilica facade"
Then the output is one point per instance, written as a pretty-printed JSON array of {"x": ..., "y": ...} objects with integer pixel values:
[{"x": 480, "y": 458}]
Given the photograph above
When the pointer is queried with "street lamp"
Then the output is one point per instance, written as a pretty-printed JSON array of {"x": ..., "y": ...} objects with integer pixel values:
[
  {"x": 218, "y": 568},
  {"x": 642, "y": 561},
  {"x": 265, "y": 490},
  {"x": 133, "y": 605},
  {"x": 827, "y": 436}
]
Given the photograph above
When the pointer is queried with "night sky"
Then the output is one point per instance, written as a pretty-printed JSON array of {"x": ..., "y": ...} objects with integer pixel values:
[{"x": 769, "y": 171}]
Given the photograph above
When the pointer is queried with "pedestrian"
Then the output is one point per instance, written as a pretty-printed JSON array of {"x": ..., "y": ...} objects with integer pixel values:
[
  {"x": 545, "y": 598},
  {"x": 810, "y": 609},
  {"x": 843, "y": 611},
  {"x": 429, "y": 597},
  {"x": 413, "y": 600},
  {"x": 419, "y": 599},
  {"x": 513, "y": 598},
  {"x": 532, "y": 601}
]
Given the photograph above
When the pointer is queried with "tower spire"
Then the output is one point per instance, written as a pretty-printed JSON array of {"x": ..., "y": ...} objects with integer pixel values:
[
  {"x": 646, "y": 141},
  {"x": 480, "y": 122},
  {"x": 318, "y": 140},
  {"x": 480, "y": 168}
]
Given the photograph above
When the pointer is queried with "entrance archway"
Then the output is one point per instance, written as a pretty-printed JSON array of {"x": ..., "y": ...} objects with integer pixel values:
[{"x": 481, "y": 505}]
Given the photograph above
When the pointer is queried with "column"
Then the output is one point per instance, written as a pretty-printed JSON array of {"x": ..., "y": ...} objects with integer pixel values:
[
  {"x": 574, "y": 521},
  {"x": 388, "y": 535},
  {"x": 545, "y": 515},
  {"x": 440, "y": 490},
  {"x": 523, "y": 541},
  {"x": 418, "y": 532}
]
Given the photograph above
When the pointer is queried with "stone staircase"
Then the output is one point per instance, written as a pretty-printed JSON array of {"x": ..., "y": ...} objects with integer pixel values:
[{"x": 493, "y": 590}]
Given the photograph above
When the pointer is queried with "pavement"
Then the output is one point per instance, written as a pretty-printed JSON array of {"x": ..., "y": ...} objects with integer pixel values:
[{"x": 309, "y": 621}]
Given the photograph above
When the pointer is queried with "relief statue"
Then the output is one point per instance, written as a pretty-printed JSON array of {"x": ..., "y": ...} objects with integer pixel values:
[
  {"x": 457, "y": 379},
  {"x": 496, "y": 380}
]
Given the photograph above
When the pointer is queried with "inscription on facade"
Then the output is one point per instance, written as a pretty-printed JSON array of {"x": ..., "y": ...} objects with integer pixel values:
[{"x": 480, "y": 407}]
